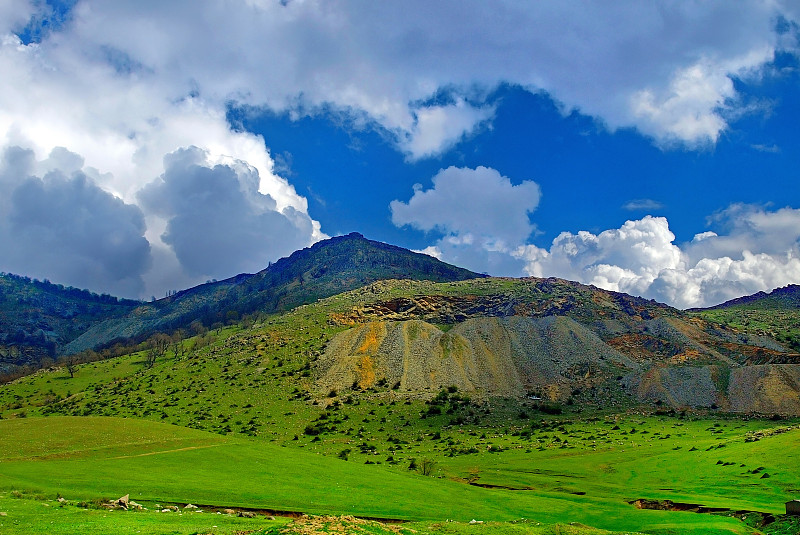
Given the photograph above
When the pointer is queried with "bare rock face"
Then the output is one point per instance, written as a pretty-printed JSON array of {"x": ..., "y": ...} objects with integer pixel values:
[
  {"x": 677, "y": 386},
  {"x": 763, "y": 389},
  {"x": 766, "y": 389},
  {"x": 555, "y": 340},
  {"x": 551, "y": 357},
  {"x": 483, "y": 356}
]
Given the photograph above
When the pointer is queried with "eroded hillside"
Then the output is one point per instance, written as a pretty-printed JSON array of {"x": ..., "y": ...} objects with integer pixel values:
[
  {"x": 510, "y": 356},
  {"x": 555, "y": 340}
]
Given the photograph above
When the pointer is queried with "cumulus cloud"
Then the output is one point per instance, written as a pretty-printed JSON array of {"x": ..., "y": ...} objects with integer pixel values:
[
  {"x": 481, "y": 214},
  {"x": 756, "y": 250},
  {"x": 63, "y": 226},
  {"x": 665, "y": 68},
  {"x": 121, "y": 117},
  {"x": 14, "y": 14},
  {"x": 436, "y": 128},
  {"x": 485, "y": 224},
  {"x": 217, "y": 222},
  {"x": 124, "y": 86},
  {"x": 627, "y": 259}
]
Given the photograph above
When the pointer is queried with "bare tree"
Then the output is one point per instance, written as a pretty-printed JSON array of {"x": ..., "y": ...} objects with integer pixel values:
[
  {"x": 71, "y": 364},
  {"x": 176, "y": 344},
  {"x": 156, "y": 348}
]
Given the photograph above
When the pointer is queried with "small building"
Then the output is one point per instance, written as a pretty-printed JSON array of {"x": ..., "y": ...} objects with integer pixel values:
[{"x": 793, "y": 507}]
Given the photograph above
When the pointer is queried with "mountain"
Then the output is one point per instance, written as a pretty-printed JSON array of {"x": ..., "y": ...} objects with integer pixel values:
[
  {"x": 775, "y": 314},
  {"x": 38, "y": 317},
  {"x": 785, "y": 298},
  {"x": 392, "y": 317},
  {"x": 537, "y": 344},
  {"x": 326, "y": 268}
]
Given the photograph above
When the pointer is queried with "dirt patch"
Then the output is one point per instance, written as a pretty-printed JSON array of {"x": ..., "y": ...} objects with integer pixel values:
[
  {"x": 326, "y": 525},
  {"x": 502, "y": 487}
]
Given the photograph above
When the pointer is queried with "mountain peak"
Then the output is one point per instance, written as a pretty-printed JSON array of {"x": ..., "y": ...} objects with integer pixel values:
[{"x": 326, "y": 268}]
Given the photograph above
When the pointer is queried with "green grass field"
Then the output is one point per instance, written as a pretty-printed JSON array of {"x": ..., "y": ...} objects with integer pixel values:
[
  {"x": 235, "y": 422},
  {"x": 90, "y": 458}
]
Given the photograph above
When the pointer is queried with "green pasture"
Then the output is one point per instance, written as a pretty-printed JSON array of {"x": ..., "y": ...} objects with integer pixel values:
[
  {"x": 236, "y": 421},
  {"x": 157, "y": 463},
  {"x": 30, "y": 516}
]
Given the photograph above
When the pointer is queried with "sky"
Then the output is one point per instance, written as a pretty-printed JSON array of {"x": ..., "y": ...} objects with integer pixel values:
[{"x": 650, "y": 148}]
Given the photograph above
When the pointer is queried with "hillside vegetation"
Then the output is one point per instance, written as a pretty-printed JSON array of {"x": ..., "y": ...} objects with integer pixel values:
[
  {"x": 326, "y": 268},
  {"x": 526, "y": 404},
  {"x": 37, "y": 318},
  {"x": 775, "y": 314}
]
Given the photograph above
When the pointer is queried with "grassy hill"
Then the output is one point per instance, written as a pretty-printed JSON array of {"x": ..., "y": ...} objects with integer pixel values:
[
  {"x": 37, "y": 318},
  {"x": 326, "y": 268},
  {"x": 775, "y": 314},
  {"x": 260, "y": 425},
  {"x": 89, "y": 458},
  {"x": 485, "y": 398}
]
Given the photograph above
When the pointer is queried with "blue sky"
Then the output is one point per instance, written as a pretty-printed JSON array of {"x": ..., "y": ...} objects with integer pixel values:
[{"x": 649, "y": 148}]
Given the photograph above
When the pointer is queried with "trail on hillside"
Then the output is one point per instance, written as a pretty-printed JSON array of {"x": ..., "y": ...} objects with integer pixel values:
[{"x": 167, "y": 451}]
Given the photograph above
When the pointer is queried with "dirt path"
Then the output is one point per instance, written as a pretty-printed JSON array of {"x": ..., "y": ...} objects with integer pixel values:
[{"x": 169, "y": 451}]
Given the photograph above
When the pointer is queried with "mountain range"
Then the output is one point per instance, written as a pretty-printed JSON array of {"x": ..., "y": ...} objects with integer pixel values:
[
  {"x": 40, "y": 320},
  {"x": 409, "y": 321}
]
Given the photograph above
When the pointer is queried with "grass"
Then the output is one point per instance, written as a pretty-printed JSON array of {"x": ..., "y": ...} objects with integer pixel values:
[
  {"x": 30, "y": 516},
  {"x": 781, "y": 324},
  {"x": 141, "y": 459}
]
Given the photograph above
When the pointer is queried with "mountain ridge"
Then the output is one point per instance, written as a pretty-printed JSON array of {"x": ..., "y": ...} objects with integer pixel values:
[
  {"x": 784, "y": 297},
  {"x": 327, "y": 267}
]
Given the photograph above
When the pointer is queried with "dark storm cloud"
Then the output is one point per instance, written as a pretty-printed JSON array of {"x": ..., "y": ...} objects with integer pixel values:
[
  {"x": 218, "y": 223},
  {"x": 62, "y": 226}
]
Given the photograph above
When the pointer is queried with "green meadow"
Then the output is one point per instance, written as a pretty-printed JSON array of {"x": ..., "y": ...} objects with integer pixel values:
[
  {"x": 232, "y": 419},
  {"x": 85, "y": 459}
]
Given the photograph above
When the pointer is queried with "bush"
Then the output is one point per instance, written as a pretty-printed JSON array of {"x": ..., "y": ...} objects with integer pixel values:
[
  {"x": 427, "y": 466},
  {"x": 550, "y": 408}
]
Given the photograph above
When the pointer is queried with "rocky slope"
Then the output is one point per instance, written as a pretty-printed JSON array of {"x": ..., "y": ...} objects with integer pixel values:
[
  {"x": 556, "y": 340},
  {"x": 512, "y": 356}
]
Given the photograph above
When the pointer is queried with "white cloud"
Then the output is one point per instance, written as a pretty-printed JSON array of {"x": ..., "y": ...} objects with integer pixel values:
[
  {"x": 627, "y": 259},
  {"x": 436, "y": 128},
  {"x": 662, "y": 67},
  {"x": 216, "y": 221},
  {"x": 482, "y": 215},
  {"x": 122, "y": 123},
  {"x": 431, "y": 250},
  {"x": 478, "y": 202},
  {"x": 760, "y": 251},
  {"x": 14, "y": 14},
  {"x": 642, "y": 205},
  {"x": 123, "y": 85},
  {"x": 485, "y": 226}
]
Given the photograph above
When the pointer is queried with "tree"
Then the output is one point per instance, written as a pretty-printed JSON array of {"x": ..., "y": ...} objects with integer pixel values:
[
  {"x": 71, "y": 364},
  {"x": 156, "y": 348},
  {"x": 197, "y": 328},
  {"x": 176, "y": 344}
]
